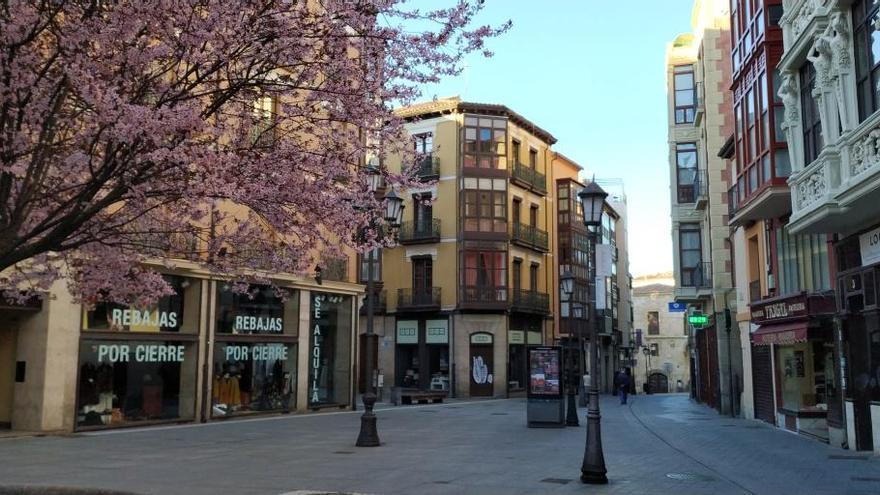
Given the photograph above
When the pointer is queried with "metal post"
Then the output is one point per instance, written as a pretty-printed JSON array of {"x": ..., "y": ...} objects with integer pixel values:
[
  {"x": 571, "y": 415},
  {"x": 369, "y": 435},
  {"x": 593, "y": 467}
]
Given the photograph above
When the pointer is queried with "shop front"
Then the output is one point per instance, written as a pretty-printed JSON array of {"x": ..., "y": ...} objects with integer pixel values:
[
  {"x": 331, "y": 352},
  {"x": 140, "y": 365},
  {"x": 422, "y": 354},
  {"x": 255, "y": 351},
  {"x": 858, "y": 259},
  {"x": 798, "y": 331},
  {"x": 524, "y": 331}
]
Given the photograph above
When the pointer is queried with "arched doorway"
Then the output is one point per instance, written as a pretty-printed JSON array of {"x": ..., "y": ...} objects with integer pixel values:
[{"x": 659, "y": 383}]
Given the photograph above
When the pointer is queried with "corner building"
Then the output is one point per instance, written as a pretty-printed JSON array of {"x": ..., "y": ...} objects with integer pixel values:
[
  {"x": 467, "y": 289},
  {"x": 828, "y": 86},
  {"x": 205, "y": 353}
]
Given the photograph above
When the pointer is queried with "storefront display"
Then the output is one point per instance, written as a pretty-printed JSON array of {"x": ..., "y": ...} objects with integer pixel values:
[
  {"x": 124, "y": 382},
  {"x": 255, "y": 354},
  {"x": 150, "y": 373},
  {"x": 330, "y": 343},
  {"x": 253, "y": 377},
  {"x": 799, "y": 330},
  {"x": 423, "y": 354}
]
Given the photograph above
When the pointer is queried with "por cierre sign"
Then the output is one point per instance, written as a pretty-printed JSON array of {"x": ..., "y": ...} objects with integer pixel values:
[{"x": 141, "y": 353}]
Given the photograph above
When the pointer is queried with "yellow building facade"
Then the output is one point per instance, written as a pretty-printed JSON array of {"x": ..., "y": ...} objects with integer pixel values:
[{"x": 468, "y": 286}]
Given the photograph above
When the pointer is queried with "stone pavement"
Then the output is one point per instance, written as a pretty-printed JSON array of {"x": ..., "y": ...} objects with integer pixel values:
[{"x": 657, "y": 445}]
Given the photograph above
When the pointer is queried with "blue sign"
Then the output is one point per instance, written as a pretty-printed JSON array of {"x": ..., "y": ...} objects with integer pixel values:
[{"x": 677, "y": 307}]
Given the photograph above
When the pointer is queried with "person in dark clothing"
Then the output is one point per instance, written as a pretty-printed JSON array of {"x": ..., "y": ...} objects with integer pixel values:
[{"x": 622, "y": 383}]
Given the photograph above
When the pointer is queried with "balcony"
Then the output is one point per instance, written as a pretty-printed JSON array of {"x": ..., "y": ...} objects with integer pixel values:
[
  {"x": 694, "y": 282},
  {"x": 754, "y": 291},
  {"x": 840, "y": 190},
  {"x": 529, "y": 236},
  {"x": 529, "y": 178},
  {"x": 769, "y": 200},
  {"x": 800, "y": 24},
  {"x": 419, "y": 299},
  {"x": 428, "y": 168},
  {"x": 478, "y": 297},
  {"x": 529, "y": 301},
  {"x": 420, "y": 232},
  {"x": 380, "y": 303},
  {"x": 701, "y": 190}
]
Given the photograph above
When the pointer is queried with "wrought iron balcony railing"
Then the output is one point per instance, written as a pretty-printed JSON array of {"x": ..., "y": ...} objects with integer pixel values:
[
  {"x": 697, "y": 276},
  {"x": 428, "y": 167},
  {"x": 530, "y": 236},
  {"x": 426, "y": 298},
  {"x": 529, "y": 301},
  {"x": 529, "y": 177},
  {"x": 413, "y": 232}
]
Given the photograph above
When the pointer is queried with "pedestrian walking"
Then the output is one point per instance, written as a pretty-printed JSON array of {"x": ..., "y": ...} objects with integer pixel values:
[{"x": 622, "y": 382}]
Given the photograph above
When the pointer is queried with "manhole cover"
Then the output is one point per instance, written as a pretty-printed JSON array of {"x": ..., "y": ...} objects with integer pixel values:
[
  {"x": 728, "y": 425},
  {"x": 343, "y": 452},
  {"x": 844, "y": 457},
  {"x": 700, "y": 419},
  {"x": 558, "y": 481},
  {"x": 865, "y": 478},
  {"x": 442, "y": 482},
  {"x": 500, "y": 414},
  {"x": 689, "y": 477},
  {"x": 428, "y": 411}
]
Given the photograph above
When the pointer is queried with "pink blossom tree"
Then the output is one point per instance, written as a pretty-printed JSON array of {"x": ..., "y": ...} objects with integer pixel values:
[{"x": 231, "y": 134}]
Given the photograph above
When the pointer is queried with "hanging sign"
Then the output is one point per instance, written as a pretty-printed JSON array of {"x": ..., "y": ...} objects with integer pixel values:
[
  {"x": 437, "y": 332},
  {"x": 603, "y": 260},
  {"x": 600, "y": 293},
  {"x": 407, "y": 332}
]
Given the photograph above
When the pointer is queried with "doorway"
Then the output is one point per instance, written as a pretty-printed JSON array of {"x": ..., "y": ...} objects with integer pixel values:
[
  {"x": 482, "y": 365},
  {"x": 659, "y": 383}
]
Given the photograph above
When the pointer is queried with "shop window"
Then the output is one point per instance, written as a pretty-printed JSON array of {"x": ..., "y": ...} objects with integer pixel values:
[
  {"x": 135, "y": 381},
  {"x": 260, "y": 310},
  {"x": 253, "y": 377},
  {"x": 166, "y": 315},
  {"x": 330, "y": 349}
]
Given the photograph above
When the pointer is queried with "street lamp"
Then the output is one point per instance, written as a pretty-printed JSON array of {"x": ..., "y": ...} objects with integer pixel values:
[
  {"x": 592, "y": 199},
  {"x": 647, "y": 352},
  {"x": 571, "y": 416},
  {"x": 369, "y": 435}
]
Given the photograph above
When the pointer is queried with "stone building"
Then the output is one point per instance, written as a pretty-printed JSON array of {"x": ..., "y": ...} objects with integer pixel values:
[{"x": 664, "y": 334}]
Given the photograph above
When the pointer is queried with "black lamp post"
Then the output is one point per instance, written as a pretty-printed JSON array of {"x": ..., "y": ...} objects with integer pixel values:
[
  {"x": 571, "y": 415},
  {"x": 593, "y": 470},
  {"x": 647, "y": 352},
  {"x": 369, "y": 435}
]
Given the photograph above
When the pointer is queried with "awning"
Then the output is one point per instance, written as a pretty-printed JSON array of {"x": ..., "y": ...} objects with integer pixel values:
[{"x": 781, "y": 334}]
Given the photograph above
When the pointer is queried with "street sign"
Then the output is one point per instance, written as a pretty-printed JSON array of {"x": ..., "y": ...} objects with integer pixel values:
[
  {"x": 698, "y": 319},
  {"x": 677, "y": 307}
]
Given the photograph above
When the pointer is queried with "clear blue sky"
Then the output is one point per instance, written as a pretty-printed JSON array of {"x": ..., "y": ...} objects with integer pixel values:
[{"x": 591, "y": 72}]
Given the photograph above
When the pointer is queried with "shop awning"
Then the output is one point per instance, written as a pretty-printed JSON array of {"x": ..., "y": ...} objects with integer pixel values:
[{"x": 781, "y": 334}]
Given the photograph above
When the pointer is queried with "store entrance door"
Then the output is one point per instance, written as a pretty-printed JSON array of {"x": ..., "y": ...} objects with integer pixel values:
[
  {"x": 8, "y": 337},
  {"x": 482, "y": 365}
]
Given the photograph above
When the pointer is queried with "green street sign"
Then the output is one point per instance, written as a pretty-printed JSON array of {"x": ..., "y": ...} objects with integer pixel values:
[{"x": 698, "y": 319}]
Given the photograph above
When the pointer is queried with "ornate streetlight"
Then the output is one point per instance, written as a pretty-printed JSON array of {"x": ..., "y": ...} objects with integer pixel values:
[
  {"x": 369, "y": 435},
  {"x": 593, "y": 470},
  {"x": 571, "y": 415}
]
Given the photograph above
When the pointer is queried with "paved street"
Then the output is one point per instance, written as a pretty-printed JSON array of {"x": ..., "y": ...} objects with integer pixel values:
[{"x": 660, "y": 444}]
